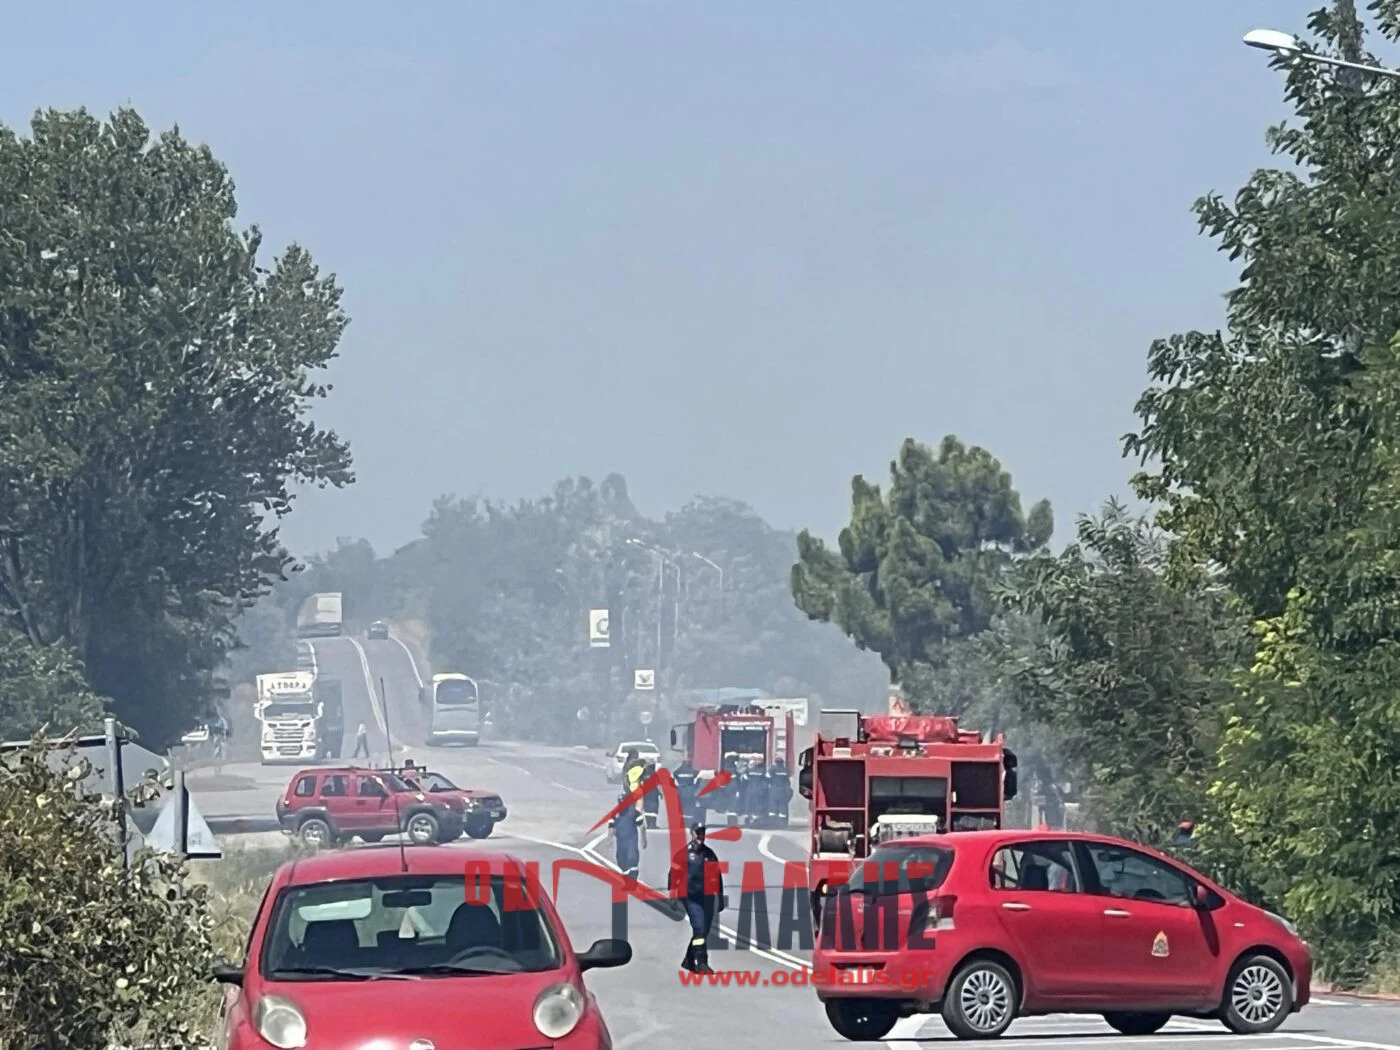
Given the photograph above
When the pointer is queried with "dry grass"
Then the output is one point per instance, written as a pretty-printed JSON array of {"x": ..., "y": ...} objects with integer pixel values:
[{"x": 236, "y": 884}]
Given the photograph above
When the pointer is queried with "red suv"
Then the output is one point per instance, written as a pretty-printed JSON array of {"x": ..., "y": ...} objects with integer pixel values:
[
  {"x": 330, "y": 806},
  {"x": 988, "y": 926},
  {"x": 483, "y": 809}
]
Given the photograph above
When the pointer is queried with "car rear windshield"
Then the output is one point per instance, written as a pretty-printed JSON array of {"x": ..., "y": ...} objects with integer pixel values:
[
  {"x": 902, "y": 869},
  {"x": 408, "y": 925}
]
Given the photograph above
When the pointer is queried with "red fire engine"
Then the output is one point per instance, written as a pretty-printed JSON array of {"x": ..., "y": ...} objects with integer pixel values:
[
  {"x": 869, "y": 779},
  {"x": 730, "y": 737}
]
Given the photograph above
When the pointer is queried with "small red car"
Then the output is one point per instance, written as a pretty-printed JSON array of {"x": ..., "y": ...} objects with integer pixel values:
[
  {"x": 398, "y": 948},
  {"x": 988, "y": 926}
]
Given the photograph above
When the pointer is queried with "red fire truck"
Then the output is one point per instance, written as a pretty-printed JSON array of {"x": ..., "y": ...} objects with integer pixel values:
[
  {"x": 733, "y": 736},
  {"x": 869, "y": 779}
]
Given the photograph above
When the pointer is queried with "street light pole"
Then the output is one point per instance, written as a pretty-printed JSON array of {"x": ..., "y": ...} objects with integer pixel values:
[
  {"x": 701, "y": 557},
  {"x": 1288, "y": 47},
  {"x": 662, "y": 561}
]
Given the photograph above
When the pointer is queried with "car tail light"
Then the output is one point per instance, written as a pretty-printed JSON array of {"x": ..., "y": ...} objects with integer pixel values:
[{"x": 933, "y": 915}]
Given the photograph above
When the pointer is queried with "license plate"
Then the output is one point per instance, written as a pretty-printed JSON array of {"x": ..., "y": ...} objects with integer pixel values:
[
  {"x": 497, "y": 814},
  {"x": 859, "y": 974}
]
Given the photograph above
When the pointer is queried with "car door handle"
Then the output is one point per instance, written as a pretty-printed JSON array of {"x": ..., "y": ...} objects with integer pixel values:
[
  {"x": 1016, "y": 906},
  {"x": 1117, "y": 913}
]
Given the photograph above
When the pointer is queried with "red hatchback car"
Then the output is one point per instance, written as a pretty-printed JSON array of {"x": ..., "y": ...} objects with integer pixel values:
[
  {"x": 988, "y": 926},
  {"x": 378, "y": 947}
]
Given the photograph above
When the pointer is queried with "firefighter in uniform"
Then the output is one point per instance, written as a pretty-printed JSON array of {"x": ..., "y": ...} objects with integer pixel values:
[
  {"x": 651, "y": 801},
  {"x": 629, "y": 835},
  {"x": 727, "y": 797},
  {"x": 751, "y": 801},
  {"x": 685, "y": 790},
  {"x": 700, "y": 904},
  {"x": 779, "y": 793}
]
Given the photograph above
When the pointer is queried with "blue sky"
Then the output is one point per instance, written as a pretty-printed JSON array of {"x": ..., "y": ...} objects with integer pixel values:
[{"x": 723, "y": 248}]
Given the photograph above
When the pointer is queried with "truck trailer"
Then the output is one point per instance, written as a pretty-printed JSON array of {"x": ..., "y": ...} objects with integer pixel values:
[
  {"x": 869, "y": 779},
  {"x": 320, "y": 616},
  {"x": 330, "y": 717}
]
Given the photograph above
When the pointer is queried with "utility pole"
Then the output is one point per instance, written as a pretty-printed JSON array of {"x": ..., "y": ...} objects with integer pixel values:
[
  {"x": 114, "y": 763},
  {"x": 181, "y": 802}
]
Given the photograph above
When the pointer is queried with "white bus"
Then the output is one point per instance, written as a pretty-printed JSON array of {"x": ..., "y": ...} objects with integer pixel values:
[{"x": 451, "y": 707}]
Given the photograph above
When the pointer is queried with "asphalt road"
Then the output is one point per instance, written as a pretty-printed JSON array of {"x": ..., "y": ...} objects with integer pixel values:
[{"x": 555, "y": 797}]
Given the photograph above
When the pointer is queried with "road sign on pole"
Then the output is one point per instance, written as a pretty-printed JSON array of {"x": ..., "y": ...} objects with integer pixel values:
[
  {"x": 197, "y": 842},
  {"x": 598, "y": 629},
  {"x": 644, "y": 680},
  {"x": 645, "y": 717}
]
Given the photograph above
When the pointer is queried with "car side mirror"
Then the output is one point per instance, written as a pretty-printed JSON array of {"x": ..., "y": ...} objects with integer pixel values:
[
  {"x": 226, "y": 973},
  {"x": 1202, "y": 897},
  {"x": 605, "y": 954}
]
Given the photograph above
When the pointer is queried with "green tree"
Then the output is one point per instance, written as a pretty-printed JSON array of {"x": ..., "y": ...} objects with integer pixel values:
[
  {"x": 91, "y": 955},
  {"x": 42, "y": 686},
  {"x": 918, "y": 569},
  {"x": 1130, "y": 674},
  {"x": 154, "y": 388},
  {"x": 1276, "y": 471}
]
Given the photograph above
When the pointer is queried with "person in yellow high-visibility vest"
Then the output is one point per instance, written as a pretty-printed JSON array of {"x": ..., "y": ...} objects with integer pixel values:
[{"x": 632, "y": 771}]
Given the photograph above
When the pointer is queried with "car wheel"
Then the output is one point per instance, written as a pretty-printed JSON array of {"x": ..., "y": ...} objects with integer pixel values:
[
  {"x": 1258, "y": 996},
  {"x": 981, "y": 1000},
  {"x": 862, "y": 1020},
  {"x": 479, "y": 829},
  {"x": 422, "y": 829},
  {"x": 1137, "y": 1024},
  {"x": 316, "y": 833}
]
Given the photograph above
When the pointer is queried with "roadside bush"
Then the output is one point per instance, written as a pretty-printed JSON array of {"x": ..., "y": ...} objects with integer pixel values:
[{"x": 91, "y": 955}]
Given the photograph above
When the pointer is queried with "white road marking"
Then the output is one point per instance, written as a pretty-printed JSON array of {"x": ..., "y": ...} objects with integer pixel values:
[
  {"x": 595, "y": 766},
  {"x": 594, "y": 844},
  {"x": 369, "y": 679},
  {"x": 767, "y": 852},
  {"x": 411, "y": 661},
  {"x": 771, "y": 954},
  {"x": 564, "y": 787},
  {"x": 376, "y": 702},
  {"x": 637, "y": 1037},
  {"x": 906, "y": 1031},
  {"x": 588, "y": 854}
]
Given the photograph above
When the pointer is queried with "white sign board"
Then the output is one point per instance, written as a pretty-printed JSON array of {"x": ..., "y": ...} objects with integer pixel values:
[
  {"x": 779, "y": 708},
  {"x": 644, "y": 680},
  {"x": 598, "y": 636},
  {"x": 199, "y": 840},
  {"x": 645, "y": 718}
]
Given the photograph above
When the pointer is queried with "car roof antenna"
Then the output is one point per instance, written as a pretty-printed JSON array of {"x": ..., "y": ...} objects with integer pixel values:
[{"x": 389, "y": 742}]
